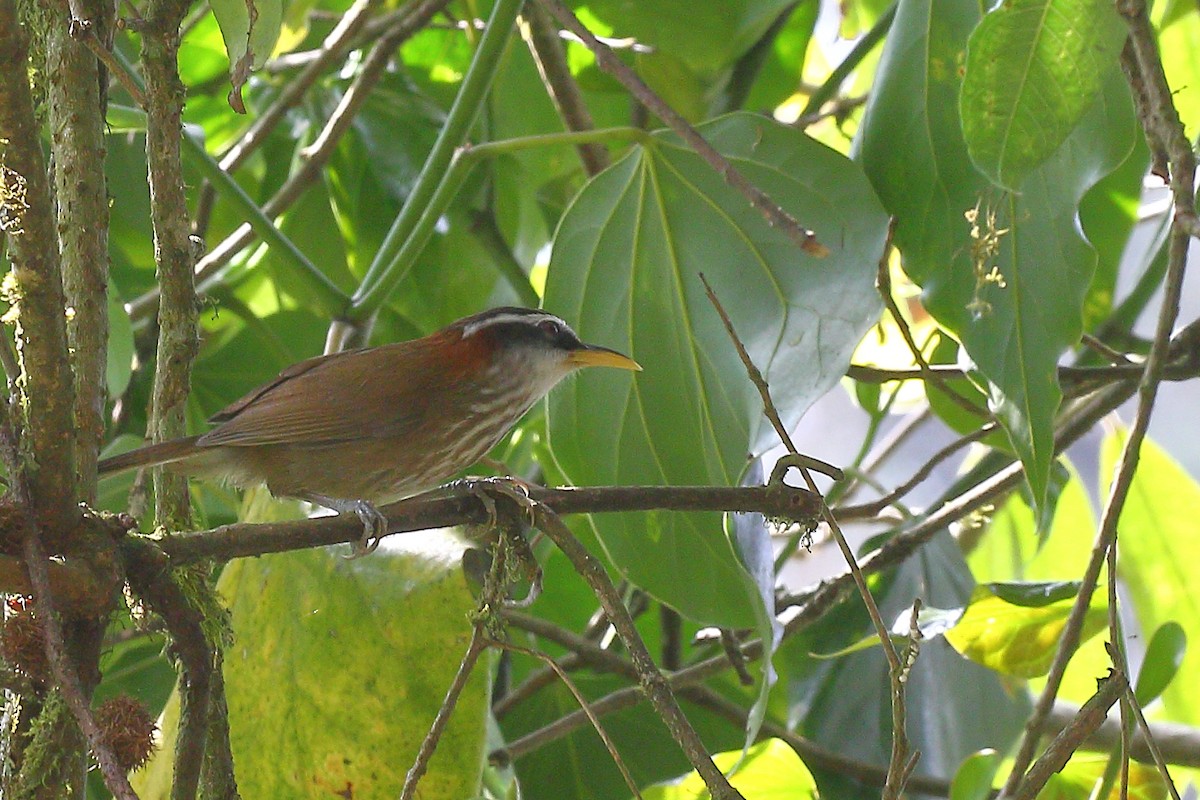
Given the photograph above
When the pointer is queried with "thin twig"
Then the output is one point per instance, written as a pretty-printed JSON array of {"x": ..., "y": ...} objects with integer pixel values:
[
  {"x": 866, "y": 510},
  {"x": 883, "y": 283},
  {"x": 758, "y": 199},
  {"x": 332, "y": 49},
  {"x": 609, "y": 745},
  {"x": 475, "y": 648},
  {"x": 582, "y": 651},
  {"x": 1116, "y": 649},
  {"x": 1151, "y": 743},
  {"x": 901, "y": 761},
  {"x": 82, "y": 30},
  {"x": 651, "y": 680},
  {"x": 546, "y": 46}
]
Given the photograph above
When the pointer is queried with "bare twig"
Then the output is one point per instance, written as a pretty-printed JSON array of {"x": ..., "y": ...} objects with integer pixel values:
[
  {"x": 608, "y": 61},
  {"x": 609, "y": 745},
  {"x": 475, "y": 648},
  {"x": 901, "y": 762},
  {"x": 84, "y": 31},
  {"x": 1120, "y": 659},
  {"x": 883, "y": 282},
  {"x": 582, "y": 651},
  {"x": 1151, "y": 743},
  {"x": 924, "y": 471}
]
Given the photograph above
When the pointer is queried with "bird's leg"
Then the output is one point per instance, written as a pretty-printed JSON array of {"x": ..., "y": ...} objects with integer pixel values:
[{"x": 373, "y": 520}]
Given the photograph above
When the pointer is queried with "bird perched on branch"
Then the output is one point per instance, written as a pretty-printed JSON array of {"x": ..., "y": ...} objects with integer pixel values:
[{"x": 360, "y": 428}]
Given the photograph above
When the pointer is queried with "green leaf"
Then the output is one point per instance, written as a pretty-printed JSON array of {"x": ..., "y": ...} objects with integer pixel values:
[
  {"x": 1035, "y": 594},
  {"x": 770, "y": 771},
  {"x": 337, "y": 670},
  {"x": 625, "y": 268},
  {"x": 1157, "y": 548},
  {"x": 1033, "y": 68},
  {"x": 911, "y": 146},
  {"x": 250, "y": 29},
  {"x": 973, "y": 779},
  {"x": 1016, "y": 639},
  {"x": 1161, "y": 663}
]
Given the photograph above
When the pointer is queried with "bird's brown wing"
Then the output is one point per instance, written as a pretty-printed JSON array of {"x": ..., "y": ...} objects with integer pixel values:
[{"x": 335, "y": 398}]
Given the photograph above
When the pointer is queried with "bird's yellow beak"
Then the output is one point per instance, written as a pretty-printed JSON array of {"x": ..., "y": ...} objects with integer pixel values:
[{"x": 595, "y": 356}]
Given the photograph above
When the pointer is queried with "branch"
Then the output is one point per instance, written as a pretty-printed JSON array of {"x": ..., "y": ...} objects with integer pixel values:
[
  {"x": 460, "y": 506},
  {"x": 546, "y": 46},
  {"x": 66, "y": 674},
  {"x": 27, "y": 217},
  {"x": 177, "y": 308},
  {"x": 758, "y": 199},
  {"x": 150, "y": 578},
  {"x": 1093, "y": 713},
  {"x": 77, "y": 120}
]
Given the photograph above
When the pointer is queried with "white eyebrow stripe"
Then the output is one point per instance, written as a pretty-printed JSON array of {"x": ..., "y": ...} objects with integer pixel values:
[{"x": 499, "y": 319}]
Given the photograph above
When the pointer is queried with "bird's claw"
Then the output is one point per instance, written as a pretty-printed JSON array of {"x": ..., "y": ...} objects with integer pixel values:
[{"x": 374, "y": 529}]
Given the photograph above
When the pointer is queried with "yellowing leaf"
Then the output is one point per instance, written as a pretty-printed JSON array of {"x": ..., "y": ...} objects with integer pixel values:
[{"x": 1015, "y": 639}]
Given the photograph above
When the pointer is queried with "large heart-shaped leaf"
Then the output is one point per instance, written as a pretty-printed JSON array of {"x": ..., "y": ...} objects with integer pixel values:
[{"x": 625, "y": 268}]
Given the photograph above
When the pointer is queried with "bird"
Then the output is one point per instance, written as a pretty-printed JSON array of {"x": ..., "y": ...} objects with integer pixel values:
[{"x": 361, "y": 428}]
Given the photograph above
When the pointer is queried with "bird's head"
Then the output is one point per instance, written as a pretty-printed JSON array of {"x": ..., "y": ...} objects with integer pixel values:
[{"x": 534, "y": 347}]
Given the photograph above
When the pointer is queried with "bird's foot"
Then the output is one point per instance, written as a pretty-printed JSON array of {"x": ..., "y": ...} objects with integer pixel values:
[
  {"x": 375, "y": 527},
  {"x": 375, "y": 524}
]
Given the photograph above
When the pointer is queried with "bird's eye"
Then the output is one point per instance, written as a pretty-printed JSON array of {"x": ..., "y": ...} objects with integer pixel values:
[{"x": 550, "y": 328}]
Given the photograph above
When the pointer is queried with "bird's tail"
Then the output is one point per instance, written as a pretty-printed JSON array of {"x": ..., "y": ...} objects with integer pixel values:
[{"x": 150, "y": 455}]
